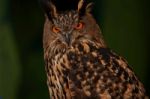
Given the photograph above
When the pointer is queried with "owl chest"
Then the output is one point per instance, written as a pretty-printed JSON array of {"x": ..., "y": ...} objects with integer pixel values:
[{"x": 58, "y": 77}]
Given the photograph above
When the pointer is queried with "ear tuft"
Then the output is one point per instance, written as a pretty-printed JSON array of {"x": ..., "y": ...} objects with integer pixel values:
[
  {"x": 89, "y": 7},
  {"x": 80, "y": 4},
  {"x": 49, "y": 8},
  {"x": 84, "y": 7},
  {"x": 53, "y": 10}
]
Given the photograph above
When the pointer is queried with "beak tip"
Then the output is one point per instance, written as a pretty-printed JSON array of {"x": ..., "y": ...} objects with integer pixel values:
[{"x": 67, "y": 39}]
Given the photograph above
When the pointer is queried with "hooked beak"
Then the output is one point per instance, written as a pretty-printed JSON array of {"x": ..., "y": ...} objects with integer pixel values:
[{"x": 67, "y": 38}]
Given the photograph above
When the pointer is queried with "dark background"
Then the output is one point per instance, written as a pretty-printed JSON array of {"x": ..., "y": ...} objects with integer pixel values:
[{"x": 124, "y": 23}]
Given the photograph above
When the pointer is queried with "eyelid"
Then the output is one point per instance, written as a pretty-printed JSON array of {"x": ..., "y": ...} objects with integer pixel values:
[
  {"x": 79, "y": 26},
  {"x": 55, "y": 29}
]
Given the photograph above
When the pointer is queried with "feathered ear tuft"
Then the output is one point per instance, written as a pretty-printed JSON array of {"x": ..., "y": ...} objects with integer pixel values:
[
  {"x": 49, "y": 8},
  {"x": 89, "y": 7},
  {"x": 84, "y": 7},
  {"x": 80, "y": 5}
]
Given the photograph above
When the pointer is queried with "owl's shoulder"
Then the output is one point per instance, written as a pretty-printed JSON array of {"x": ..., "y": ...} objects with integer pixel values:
[{"x": 99, "y": 72}]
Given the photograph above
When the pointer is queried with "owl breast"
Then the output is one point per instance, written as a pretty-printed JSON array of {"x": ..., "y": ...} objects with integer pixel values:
[{"x": 87, "y": 70}]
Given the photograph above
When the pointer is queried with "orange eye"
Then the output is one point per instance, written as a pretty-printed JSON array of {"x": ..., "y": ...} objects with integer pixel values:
[
  {"x": 55, "y": 29},
  {"x": 79, "y": 26}
]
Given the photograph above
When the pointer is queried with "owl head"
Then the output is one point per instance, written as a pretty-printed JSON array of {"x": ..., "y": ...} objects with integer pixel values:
[{"x": 62, "y": 29}]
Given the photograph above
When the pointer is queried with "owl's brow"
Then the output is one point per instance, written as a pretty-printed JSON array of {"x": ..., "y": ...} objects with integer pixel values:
[{"x": 66, "y": 19}]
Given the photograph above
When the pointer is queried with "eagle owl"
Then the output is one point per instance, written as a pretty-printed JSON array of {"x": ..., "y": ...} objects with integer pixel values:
[{"x": 78, "y": 63}]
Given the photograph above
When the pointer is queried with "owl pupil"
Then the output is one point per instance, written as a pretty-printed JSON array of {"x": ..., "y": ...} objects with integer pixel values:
[
  {"x": 79, "y": 26},
  {"x": 55, "y": 29}
]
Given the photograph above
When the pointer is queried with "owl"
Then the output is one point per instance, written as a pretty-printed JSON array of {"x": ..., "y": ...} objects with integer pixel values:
[{"x": 78, "y": 63}]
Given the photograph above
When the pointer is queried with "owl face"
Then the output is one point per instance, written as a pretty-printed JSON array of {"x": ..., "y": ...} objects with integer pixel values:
[
  {"x": 68, "y": 28},
  {"x": 63, "y": 30}
]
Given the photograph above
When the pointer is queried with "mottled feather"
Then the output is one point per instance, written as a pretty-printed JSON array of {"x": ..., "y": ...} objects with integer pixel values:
[{"x": 78, "y": 63}]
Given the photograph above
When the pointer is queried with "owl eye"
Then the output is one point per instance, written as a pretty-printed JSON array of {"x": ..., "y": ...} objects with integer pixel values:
[
  {"x": 55, "y": 29},
  {"x": 79, "y": 26}
]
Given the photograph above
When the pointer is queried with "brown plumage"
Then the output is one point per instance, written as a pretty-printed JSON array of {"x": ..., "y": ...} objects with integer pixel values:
[{"x": 78, "y": 63}]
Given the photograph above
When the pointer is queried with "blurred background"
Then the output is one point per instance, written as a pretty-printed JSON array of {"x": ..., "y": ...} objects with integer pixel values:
[{"x": 124, "y": 23}]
